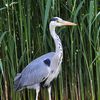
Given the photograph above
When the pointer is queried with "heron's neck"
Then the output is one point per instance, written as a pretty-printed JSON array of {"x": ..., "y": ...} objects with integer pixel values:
[{"x": 57, "y": 40}]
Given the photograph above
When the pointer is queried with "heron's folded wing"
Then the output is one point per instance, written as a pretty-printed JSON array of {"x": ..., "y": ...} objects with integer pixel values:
[{"x": 37, "y": 71}]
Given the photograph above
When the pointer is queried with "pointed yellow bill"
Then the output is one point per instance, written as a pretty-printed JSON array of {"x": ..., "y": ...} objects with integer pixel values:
[{"x": 68, "y": 23}]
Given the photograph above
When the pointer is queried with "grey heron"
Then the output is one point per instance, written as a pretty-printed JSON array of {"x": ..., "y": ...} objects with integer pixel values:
[{"x": 45, "y": 68}]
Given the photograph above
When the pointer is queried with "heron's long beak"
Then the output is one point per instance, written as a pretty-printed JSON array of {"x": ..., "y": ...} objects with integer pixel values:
[{"x": 68, "y": 23}]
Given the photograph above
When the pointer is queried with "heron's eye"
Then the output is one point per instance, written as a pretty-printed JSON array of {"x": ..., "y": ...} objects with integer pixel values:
[{"x": 57, "y": 21}]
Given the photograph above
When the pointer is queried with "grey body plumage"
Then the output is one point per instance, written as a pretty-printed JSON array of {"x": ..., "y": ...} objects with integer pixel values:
[{"x": 33, "y": 73}]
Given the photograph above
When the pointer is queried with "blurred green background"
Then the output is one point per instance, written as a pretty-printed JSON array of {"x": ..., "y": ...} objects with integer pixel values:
[{"x": 24, "y": 35}]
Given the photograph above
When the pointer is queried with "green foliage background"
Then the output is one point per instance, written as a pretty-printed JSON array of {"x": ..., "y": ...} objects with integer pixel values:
[{"x": 24, "y": 35}]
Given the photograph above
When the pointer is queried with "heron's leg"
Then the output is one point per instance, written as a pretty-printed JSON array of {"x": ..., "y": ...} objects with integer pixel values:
[
  {"x": 49, "y": 92},
  {"x": 37, "y": 93}
]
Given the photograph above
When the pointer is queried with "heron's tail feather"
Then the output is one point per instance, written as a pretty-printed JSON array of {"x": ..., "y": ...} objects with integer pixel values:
[{"x": 17, "y": 82}]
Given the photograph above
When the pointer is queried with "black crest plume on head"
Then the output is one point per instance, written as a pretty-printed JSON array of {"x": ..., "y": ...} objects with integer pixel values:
[{"x": 54, "y": 19}]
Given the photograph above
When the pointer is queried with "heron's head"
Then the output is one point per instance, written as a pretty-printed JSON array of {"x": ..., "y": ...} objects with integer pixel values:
[{"x": 57, "y": 22}]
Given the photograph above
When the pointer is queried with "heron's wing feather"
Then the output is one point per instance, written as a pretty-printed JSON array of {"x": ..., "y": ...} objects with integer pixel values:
[
  {"x": 36, "y": 71},
  {"x": 35, "y": 76}
]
